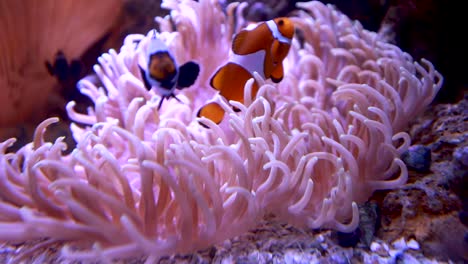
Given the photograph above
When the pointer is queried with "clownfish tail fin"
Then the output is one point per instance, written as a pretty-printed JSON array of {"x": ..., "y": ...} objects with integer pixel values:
[
  {"x": 212, "y": 111},
  {"x": 188, "y": 74},
  {"x": 143, "y": 77}
]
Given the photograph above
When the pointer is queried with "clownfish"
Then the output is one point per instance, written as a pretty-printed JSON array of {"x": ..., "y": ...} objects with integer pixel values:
[
  {"x": 64, "y": 69},
  {"x": 262, "y": 50},
  {"x": 163, "y": 72}
]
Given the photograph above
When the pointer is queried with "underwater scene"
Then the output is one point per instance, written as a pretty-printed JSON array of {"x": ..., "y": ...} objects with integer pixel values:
[{"x": 216, "y": 131}]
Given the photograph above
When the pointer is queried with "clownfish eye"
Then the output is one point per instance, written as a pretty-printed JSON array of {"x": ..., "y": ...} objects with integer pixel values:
[{"x": 280, "y": 22}]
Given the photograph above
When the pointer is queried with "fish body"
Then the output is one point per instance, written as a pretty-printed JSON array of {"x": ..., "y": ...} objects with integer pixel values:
[
  {"x": 63, "y": 69},
  {"x": 262, "y": 50},
  {"x": 163, "y": 72}
]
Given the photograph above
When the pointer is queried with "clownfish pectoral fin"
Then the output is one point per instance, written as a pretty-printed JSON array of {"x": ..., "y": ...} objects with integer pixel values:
[
  {"x": 212, "y": 111},
  {"x": 268, "y": 66},
  {"x": 277, "y": 74},
  {"x": 248, "y": 41},
  {"x": 143, "y": 76},
  {"x": 188, "y": 74}
]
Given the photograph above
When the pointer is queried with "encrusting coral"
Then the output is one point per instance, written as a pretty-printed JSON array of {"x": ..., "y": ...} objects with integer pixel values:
[{"x": 154, "y": 183}]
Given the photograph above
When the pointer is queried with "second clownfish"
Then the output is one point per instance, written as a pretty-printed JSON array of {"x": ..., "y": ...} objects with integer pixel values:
[
  {"x": 262, "y": 50},
  {"x": 163, "y": 72}
]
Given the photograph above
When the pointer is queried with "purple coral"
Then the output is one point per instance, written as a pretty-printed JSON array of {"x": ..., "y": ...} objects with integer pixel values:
[{"x": 155, "y": 183}]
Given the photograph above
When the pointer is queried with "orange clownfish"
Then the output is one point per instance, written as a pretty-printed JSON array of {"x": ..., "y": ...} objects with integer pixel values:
[
  {"x": 163, "y": 72},
  {"x": 262, "y": 50}
]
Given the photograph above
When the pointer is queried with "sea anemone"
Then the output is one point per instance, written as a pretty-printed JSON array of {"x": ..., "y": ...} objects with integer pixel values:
[
  {"x": 32, "y": 33},
  {"x": 149, "y": 182}
]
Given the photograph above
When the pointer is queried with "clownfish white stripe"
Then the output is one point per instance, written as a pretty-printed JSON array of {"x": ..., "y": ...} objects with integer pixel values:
[
  {"x": 253, "y": 62},
  {"x": 156, "y": 45},
  {"x": 276, "y": 33}
]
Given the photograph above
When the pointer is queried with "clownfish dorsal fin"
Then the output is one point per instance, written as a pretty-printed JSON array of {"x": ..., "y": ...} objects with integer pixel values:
[
  {"x": 188, "y": 74},
  {"x": 143, "y": 76},
  {"x": 250, "y": 41}
]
